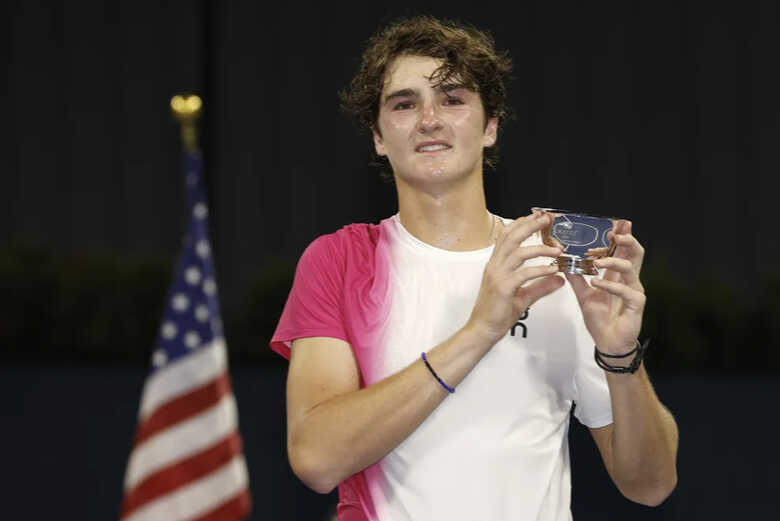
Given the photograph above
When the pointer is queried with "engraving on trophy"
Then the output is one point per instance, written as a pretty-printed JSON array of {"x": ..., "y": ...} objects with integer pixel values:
[{"x": 574, "y": 234}]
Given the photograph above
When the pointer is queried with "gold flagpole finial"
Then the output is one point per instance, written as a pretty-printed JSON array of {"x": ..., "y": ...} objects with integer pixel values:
[{"x": 187, "y": 109}]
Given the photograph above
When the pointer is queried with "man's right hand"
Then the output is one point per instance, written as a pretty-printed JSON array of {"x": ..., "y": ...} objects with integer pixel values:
[{"x": 508, "y": 287}]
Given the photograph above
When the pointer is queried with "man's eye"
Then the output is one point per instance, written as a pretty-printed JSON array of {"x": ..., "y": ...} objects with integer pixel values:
[
  {"x": 451, "y": 100},
  {"x": 403, "y": 105}
]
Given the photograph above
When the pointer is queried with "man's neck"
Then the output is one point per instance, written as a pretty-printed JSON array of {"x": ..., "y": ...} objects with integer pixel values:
[{"x": 451, "y": 218}]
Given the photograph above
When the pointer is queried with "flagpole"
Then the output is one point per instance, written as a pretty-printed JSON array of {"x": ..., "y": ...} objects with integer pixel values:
[{"x": 187, "y": 108}]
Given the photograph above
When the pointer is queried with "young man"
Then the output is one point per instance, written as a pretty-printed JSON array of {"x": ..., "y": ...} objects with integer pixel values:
[{"x": 384, "y": 322}]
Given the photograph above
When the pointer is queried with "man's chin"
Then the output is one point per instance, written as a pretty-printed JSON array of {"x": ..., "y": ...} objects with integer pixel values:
[{"x": 435, "y": 175}]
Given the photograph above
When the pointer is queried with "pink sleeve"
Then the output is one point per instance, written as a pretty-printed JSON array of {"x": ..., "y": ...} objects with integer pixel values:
[{"x": 313, "y": 307}]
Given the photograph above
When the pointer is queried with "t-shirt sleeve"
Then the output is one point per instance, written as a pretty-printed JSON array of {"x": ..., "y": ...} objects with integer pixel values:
[
  {"x": 594, "y": 406},
  {"x": 313, "y": 306}
]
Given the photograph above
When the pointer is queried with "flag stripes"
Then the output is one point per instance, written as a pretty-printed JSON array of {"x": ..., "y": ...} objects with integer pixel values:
[
  {"x": 199, "y": 498},
  {"x": 181, "y": 376},
  {"x": 183, "y": 407},
  {"x": 182, "y": 440},
  {"x": 186, "y": 470}
]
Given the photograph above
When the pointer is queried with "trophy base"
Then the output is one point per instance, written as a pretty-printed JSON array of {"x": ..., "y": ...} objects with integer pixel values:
[{"x": 576, "y": 266}]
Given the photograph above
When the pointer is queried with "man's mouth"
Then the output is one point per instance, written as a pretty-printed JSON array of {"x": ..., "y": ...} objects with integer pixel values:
[{"x": 432, "y": 147}]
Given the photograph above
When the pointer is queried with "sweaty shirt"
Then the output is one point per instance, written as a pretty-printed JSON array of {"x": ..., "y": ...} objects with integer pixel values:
[{"x": 497, "y": 448}]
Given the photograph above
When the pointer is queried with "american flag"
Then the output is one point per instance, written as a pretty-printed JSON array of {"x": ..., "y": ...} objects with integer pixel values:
[{"x": 187, "y": 461}]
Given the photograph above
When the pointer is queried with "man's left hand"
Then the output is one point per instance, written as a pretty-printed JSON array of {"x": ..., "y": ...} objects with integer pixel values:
[{"x": 612, "y": 306}]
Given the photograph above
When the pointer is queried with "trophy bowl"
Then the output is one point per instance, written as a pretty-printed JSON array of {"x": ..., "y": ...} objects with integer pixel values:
[{"x": 582, "y": 237}]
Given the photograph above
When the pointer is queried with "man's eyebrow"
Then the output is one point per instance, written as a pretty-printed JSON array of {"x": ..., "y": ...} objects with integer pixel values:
[
  {"x": 402, "y": 93},
  {"x": 449, "y": 87}
]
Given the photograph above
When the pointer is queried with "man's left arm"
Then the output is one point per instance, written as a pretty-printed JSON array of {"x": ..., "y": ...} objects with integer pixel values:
[{"x": 639, "y": 448}]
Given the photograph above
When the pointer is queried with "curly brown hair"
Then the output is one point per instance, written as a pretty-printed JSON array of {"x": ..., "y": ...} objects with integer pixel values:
[{"x": 468, "y": 55}]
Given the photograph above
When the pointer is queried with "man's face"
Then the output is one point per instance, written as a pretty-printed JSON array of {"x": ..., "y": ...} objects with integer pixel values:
[{"x": 430, "y": 133}]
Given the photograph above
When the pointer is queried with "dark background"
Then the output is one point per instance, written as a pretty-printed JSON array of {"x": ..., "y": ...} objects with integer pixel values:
[{"x": 662, "y": 112}]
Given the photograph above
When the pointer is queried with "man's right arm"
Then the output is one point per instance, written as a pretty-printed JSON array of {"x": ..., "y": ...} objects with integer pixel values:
[{"x": 335, "y": 428}]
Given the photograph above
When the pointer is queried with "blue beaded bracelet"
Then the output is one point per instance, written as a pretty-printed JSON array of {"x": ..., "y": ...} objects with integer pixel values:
[{"x": 450, "y": 389}]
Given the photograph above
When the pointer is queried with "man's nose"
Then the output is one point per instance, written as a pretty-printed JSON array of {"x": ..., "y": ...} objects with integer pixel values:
[{"x": 429, "y": 119}]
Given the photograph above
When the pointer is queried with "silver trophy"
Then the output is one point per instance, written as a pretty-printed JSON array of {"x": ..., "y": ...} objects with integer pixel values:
[{"x": 582, "y": 237}]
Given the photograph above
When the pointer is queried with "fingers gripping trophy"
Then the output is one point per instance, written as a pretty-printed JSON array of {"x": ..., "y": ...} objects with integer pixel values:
[{"x": 612, "y": 305}]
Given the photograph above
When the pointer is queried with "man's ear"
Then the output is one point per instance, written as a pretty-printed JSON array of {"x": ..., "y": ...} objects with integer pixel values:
[
  {"x": 379, "y": 145},
  {"x": 491, "y": 133}
]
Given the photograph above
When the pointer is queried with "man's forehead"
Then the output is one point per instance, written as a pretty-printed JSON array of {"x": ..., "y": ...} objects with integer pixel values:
[{"x": 406, "y": 69}]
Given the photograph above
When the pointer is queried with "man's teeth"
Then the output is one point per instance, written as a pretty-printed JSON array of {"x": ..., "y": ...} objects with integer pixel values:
[{"x": 432, "y": 148}]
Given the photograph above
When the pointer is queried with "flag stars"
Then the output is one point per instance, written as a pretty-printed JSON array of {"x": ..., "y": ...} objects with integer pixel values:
[
  {"x": 159, "y": 358},
  {"x": 200, "y": 211},
  {"x": 180, "y": 302},
  {"x": 210, "y": 287},
  {"x": 191, "y": 339},
  {"x": 202, "y": 313},
  {"x": 169, "y": 330},
  {"x": 202, "y": 248},
  {"x": 192, "y": 275}
]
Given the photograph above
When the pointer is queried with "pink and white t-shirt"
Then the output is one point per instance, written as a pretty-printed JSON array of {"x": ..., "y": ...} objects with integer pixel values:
[{"x": 497, "y": 449}]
